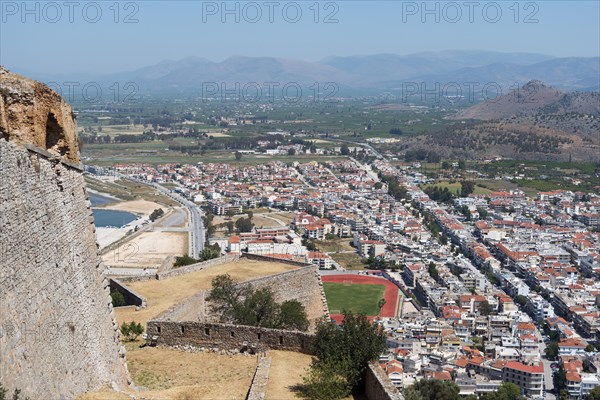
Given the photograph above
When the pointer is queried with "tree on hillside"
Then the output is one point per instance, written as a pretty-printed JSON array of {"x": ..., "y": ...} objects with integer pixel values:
[
  {"x": 225, "y": 296},
  {"x": 241, "y": 304},
  {"x": 589, "y": 348},
  {"x": 244, "y": 225},
  {"x": 132, "y": 330},
  {"x": 506, "y": 391},
  {"x": 432, "y": 389},
  {"x": 184, "y": 260},
  {"x": 433, "y": 272},
  {"x": 293, "y": 316},
  {"x": 521, "y": 300},
  {"x": 258, "y": 309},
  {"x": 485, "y": 308},
  {"x": 466, "y": 188},
  {"x": 210, "y": 251},
  {"x": 347, "y": 350},
  {"x": 117, "y": 298},
  {"x": 156, "y": 214},
  {"x": 552, "y": 350},
  {"x": 345, "y": 150},
  {"x": 328, "y": 380}
]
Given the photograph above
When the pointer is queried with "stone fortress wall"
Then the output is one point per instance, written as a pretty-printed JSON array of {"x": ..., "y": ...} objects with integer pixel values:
[
  {"x": 302, "y": 284},
  {"x": 58, "y": 333},
  {"x": 191, "y": 322}
]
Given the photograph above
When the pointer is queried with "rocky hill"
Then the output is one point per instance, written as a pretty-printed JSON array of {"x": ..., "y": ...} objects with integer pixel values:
[{"x": 533, "y": 98}]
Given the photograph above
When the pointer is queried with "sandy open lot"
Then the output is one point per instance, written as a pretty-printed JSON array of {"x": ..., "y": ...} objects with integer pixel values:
[
  {"x": 165, "y": 293},
  {"x": 134, "y": 206},
  {"x": 147, "y": 250}
]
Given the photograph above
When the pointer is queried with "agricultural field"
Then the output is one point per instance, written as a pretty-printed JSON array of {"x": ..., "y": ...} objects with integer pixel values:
[{"x": 158, "y": 152}]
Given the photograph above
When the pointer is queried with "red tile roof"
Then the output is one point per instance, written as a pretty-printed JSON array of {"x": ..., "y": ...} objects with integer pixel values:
[{"x": 532, "y": 369}]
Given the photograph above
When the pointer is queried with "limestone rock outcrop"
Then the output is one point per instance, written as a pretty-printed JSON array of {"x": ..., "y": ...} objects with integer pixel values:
[
  {"x": 32, "y": 113},
  {"x": 58, "y": 332}
]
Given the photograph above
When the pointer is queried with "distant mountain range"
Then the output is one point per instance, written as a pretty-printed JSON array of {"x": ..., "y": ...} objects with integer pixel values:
[{"x": 369, "y": 74}]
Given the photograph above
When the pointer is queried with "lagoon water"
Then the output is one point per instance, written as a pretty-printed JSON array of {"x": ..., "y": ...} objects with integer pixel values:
[
  {"x": 109, "y": 218},
  {"x": 98, "y": 200}
]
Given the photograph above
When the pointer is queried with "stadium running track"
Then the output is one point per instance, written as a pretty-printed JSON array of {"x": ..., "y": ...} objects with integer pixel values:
[{"x": 390, "y": 295}]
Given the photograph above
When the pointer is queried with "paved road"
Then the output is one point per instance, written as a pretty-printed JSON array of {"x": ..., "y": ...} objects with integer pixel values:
[
  {"x": 372, "y": 174},
  {"x": 197, "y": 234},
  {"x": 548, "y": 381},
  {"x": 176, "y": 219}
]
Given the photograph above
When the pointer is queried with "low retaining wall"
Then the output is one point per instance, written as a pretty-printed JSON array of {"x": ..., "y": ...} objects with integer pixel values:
[
  {"x": 196, "y": 267},
  {"x": 136, "y": 278},
  {"x": 131, "y": 297},
  {"x": 378, "y": 386},
  {"x": 228, "y": 337},
  {"x": 258, "y": 257},
  {"x": 258, "y": 389}
]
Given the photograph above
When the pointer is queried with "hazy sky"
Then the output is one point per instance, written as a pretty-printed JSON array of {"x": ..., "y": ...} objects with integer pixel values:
[{"x": 106, "y": 36}]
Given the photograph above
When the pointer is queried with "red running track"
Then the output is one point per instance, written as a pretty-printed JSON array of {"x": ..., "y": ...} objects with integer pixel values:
[{"x": 390, "y": 295}]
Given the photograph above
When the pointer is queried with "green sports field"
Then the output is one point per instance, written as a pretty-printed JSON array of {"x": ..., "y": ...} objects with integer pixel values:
[{"x": 360, "y": 299}]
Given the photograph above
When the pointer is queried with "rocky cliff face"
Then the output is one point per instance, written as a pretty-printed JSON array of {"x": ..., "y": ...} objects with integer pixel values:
[
  {"x": 32, "y": 113},
  {"x": 58, "y": 333}
]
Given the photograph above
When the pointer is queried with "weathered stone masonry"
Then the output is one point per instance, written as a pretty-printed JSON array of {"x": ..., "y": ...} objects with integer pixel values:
[
  {"x": 228, "y": 337},
  {"x": 58, "y": 333},
  {"x": 191, "y": 323}
]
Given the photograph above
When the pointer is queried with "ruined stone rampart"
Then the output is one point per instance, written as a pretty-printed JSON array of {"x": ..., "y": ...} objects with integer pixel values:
[
  {"x": 378, "y": 386},
  {"x": 228, "y": 336},
  {"x": 131, "y": 297},
  {"x": 196, "y": 267},
  {"x": 258, "y": 389},
  {"x": 302, "y": 284},
  {"x": 58, "y": 334},
  {"x": 259, "y": 257}
]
